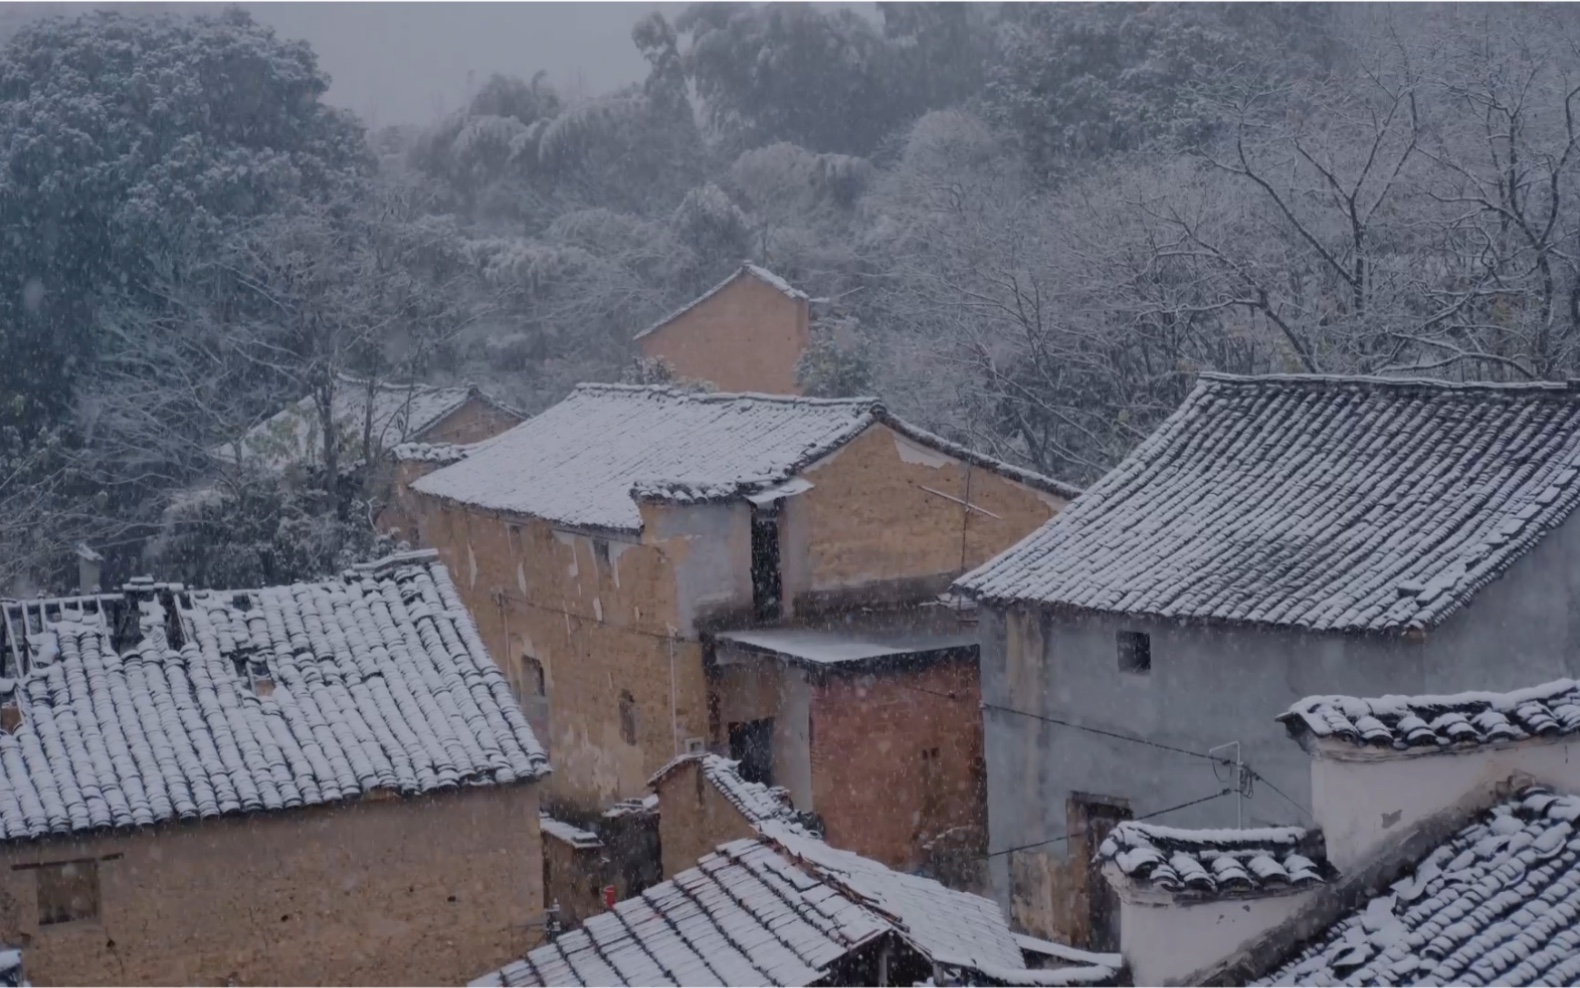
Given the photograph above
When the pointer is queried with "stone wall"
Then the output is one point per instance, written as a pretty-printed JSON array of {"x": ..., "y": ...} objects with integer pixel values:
[{"x": 430, "y": 890}]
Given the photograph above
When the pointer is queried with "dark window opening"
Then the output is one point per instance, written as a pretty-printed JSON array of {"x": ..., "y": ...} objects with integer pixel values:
[
  {"x": 752, "y": 744},
  {"x": 532, "y": 676},
  {"x": 627, "y": 717},
  {"x": 766, "y": 584},
  {"x": 68, "y": 892},
  {"x": 1089, "y": 820},
  {"x": 1135, "y": 652},
  {"x": 601, "y": 552}
]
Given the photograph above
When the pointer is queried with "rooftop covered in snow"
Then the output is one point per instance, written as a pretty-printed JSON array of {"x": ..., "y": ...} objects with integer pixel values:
[
  {"x": 1495, "y": 904},
  {"x": 588, "y": 460},
  {"x": 1321, "y": 503},
  {"x": 169, "y": 704},
  {"x": 779, "y": 909},
  {"x": 757, "y": 802},
  {"x": 401, "y": 412},
  {"x": 1438, "y": 722},
  {"x": 746, "y": 270},
  {"x": 1216, "y": 863}
]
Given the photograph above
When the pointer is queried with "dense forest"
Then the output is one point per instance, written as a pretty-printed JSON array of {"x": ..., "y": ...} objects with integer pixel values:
[{"x": 1028, "y": 228}]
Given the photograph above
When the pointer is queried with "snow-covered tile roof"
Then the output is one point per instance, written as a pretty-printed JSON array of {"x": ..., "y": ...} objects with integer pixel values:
[
  {"x": 11, "y": 975},
  {"x": 567, "y": 833},
  {"x": 1474, "y": 718},
  {"x": 219, "y": 703},
  {"x": 773, "y": 910},
  {"x": 588, "y": 460},
  {"x": 400, "y": 412},
  {"x": 756, "y": 801},
  {"x": 442, "y": 453},
  {"x": 1216, "y": 863},
  {"x": 1332, "y": 504},
  {"x": 747, "y": 269},
  {"x": 1496, "y": 904}
]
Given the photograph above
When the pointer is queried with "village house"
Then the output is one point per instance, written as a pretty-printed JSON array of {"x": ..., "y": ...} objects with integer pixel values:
[
  {"x": 387, "y": 413},
  {"x": 1442, "y": 849},
  {"x": 1273, "y": 537},
  {"x": 631, "y": 551},
  {"x": 288, "y": 785},
  {"x": 704, "y": 802},
  {"x": 747, "y": 333},
  {"x": 784, "y": 908}
]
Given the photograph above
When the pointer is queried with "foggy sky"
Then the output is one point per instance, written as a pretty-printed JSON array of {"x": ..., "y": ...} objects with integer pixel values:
[{"x": 396, "y": 63}]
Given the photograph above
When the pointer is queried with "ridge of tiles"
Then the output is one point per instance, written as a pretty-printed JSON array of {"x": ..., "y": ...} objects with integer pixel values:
[
  {"x": 1497, "y": 903},
  {"x": 1216, "y": 863},
  {"x": 1436, "y": 722},
  {"x": 1321, "y": 503},
  {"x": 266, "y": 699}
]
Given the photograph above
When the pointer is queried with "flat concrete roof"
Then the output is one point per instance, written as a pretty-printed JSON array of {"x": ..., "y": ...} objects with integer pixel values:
[{"x": 819, "y": 646}]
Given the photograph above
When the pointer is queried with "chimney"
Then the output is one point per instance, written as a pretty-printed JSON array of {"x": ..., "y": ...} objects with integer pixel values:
[
  {"x": 89, "y": 567},
  {"x": 1382, "y": 767}
]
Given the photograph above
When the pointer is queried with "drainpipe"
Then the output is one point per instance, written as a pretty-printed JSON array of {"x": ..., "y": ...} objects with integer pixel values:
[{"x": 674, "y": 713}]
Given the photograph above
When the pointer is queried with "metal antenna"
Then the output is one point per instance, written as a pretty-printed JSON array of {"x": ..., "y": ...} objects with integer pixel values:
[{"x": 1241, "y": 777}]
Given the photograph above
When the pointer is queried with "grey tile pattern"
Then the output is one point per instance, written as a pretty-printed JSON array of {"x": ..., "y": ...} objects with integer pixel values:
[
  {"x": 269, "y": 699},
  {"x": 1322, "y": 503},
  {"x": 1496, "y": 904},
  {"x": 1216, "y": 863},
  {"x": 774, "y": 910},
  {"x": 1434, "y": 722}
]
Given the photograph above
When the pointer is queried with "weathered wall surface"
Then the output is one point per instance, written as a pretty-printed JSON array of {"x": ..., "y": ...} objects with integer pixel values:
[
  {"x": 749, "y": 336},
  {"x": 886, "y": 511},
  {"x": 694, "y": 818},
  {"x": 602, "y": 616},
  {"x": 404, "y": 891},
  {"x": 1209, "y": 685},
  {"x": 756, "y": 689},
  {"x": 876, "y": 784},
  {"x": 573, "y": 877},
  {"x": 474, "y": 421}
]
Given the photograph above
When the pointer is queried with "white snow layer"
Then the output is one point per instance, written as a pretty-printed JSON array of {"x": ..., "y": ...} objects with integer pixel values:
[
  {"x": 377, "y": 681},
  {"x": 1332, "y": 504}
]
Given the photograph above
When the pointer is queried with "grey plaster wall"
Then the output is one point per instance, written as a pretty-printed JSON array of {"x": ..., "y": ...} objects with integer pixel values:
[{"x": 1213, "y": 684}]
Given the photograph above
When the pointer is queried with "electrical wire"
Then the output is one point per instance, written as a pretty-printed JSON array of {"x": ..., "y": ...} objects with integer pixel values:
[{"x": 1077, "y": 833}]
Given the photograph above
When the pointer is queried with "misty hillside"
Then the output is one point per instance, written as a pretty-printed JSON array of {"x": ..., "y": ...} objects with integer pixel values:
[{"x": 1027, "y": 229}]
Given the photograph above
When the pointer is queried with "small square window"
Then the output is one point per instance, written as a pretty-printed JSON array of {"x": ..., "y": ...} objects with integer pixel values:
[
  {"x": 68, "y": 892},
  {"x": 1135, "y": 652}
]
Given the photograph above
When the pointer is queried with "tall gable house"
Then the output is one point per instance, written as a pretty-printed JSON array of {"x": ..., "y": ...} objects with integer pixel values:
[
  {"x": 747, "y": 333},
  {"x": 1442, "y": 849},
  {"x": 608, "y": 545},
  {"x": 288, "y": 785},
  {"x": 1275, "y": 536}
]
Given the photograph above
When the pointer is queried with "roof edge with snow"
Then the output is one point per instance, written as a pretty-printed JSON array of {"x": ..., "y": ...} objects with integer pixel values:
[{"x": 747, "y": 268}]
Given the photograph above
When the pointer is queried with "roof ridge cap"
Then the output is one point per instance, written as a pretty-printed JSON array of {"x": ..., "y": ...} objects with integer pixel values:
[
  {"x": 870, "y": 402},
  {"x": 1402, "y": 383}
]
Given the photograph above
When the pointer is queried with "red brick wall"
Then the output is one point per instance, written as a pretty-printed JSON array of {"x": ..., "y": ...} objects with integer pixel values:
[{"x": 877, "y": 793}]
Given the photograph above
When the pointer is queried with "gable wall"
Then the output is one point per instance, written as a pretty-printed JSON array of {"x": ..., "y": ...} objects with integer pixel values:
[
  {"x": 283, "y": 898},
  {"x": 473, "y": 422},
  {"x": 597, "y": 627},
  {"x": 884, "y": 510},
  {"x": 694, "y": 818},
  {"x": 1210, "y": 685},
  {"x": 748, "y": 336}
]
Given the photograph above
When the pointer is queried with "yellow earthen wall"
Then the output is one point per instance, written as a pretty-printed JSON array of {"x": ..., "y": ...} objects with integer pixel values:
[
  {"x": 597, "y": 627},
  {"x": 747, "y": 337},
  {"x": 473, "y": 422},
  {"x": 872, "y": 515},
  {"x": 694, "y": 818},
  {"x": 426, "y": 891}
]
